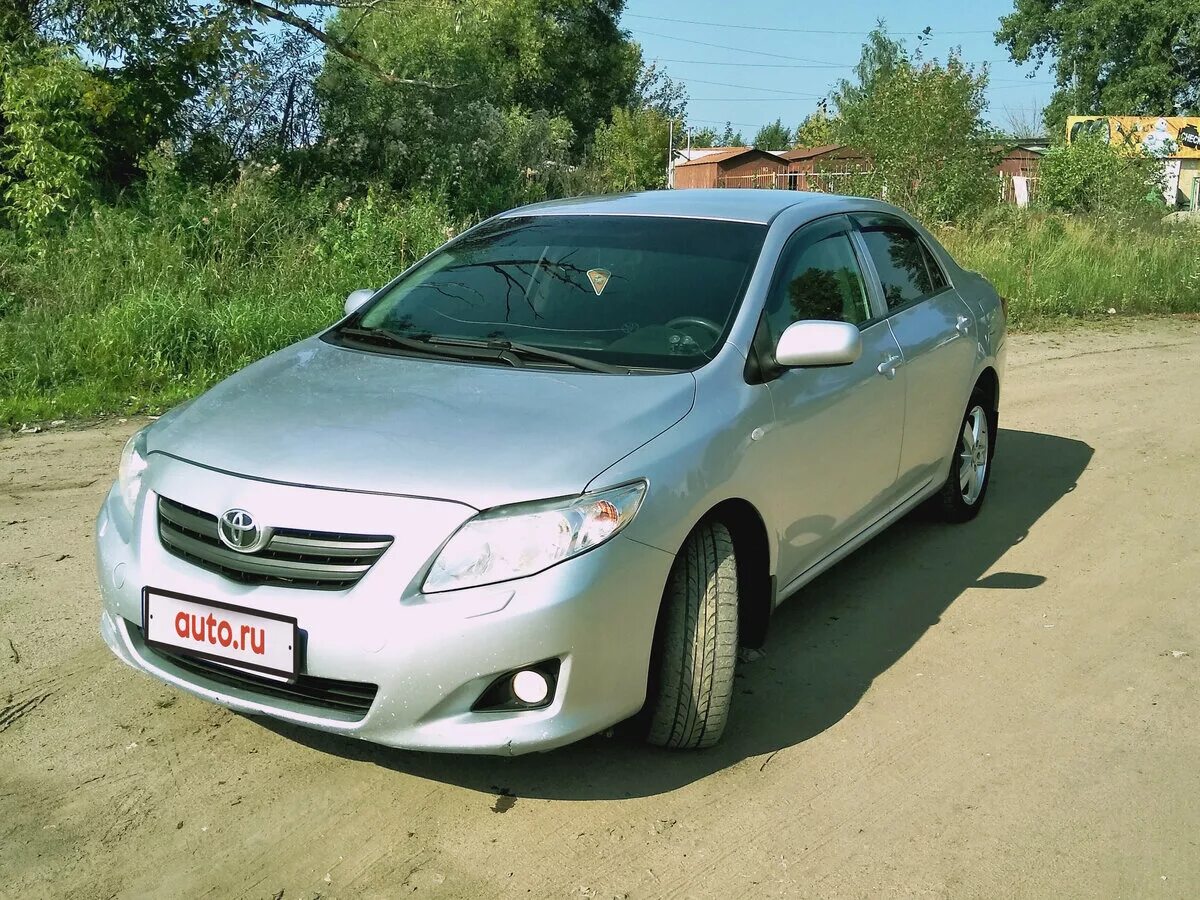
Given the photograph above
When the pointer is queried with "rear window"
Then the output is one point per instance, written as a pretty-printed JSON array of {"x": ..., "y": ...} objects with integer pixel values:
[{"x": 629, "y": 290}]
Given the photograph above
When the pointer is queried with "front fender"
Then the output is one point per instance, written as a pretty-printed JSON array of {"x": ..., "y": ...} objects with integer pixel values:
[{"x": 702, "y": 460}]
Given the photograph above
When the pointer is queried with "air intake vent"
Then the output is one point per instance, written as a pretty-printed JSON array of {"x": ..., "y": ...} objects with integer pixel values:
[
  {"x": 292, "y": 558},
  {"x": 352, "y": 699}
]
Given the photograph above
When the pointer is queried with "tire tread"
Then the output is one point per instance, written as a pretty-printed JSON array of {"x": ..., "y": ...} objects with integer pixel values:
[{"x": 699, "y": 634}]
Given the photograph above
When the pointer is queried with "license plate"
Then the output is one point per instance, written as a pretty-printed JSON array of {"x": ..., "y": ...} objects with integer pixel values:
[{"x": 260, "y": 642}]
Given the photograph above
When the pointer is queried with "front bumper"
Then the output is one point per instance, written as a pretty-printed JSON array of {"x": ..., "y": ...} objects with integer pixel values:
[{"x": 431, "y": 657}]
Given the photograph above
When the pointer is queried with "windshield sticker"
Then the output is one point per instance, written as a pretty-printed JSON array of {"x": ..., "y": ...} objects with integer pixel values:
[{"x": 599, "y": 279}]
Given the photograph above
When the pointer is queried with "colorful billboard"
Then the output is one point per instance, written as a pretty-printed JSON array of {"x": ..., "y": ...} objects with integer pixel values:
[{"x": 1171, "y": 137}]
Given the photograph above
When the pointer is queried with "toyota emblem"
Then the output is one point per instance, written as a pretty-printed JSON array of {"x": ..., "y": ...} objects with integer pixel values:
[{"x": 238, "y": 531}]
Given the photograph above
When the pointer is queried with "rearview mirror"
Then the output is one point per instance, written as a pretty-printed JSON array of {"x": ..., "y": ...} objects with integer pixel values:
[
  {"x": 357, "y": 298},
  {"x": 812, "y": 343}
]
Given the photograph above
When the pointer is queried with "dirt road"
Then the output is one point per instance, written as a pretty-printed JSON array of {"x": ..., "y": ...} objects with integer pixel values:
[{"x": 1010, "y": 708}]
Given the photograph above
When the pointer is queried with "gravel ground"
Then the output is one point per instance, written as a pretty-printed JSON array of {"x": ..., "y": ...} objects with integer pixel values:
[{"x": 1008, "y": 708}]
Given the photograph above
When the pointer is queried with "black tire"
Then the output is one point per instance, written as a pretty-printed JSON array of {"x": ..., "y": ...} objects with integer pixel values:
[
  {"x": 696, "y": 643},
  {"x": 954, "y": 502}
]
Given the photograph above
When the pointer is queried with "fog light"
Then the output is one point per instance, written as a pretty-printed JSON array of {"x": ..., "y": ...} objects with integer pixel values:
[{"x": 530, "y": 687}]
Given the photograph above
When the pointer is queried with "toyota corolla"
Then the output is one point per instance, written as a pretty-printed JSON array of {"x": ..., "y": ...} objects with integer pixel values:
[{"x": 557, "y": 472}]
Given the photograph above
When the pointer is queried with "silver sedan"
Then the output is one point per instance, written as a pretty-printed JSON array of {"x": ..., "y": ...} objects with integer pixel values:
[{"x": 554, "y": 475}]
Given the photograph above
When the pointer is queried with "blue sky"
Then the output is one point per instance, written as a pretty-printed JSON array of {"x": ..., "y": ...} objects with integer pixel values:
[{"x": 782, "y": 74}]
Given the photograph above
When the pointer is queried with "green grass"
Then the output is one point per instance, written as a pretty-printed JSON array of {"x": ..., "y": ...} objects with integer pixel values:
[
  {"x": 135, "y": 307},
  {"x": 1054, "y": 267}
]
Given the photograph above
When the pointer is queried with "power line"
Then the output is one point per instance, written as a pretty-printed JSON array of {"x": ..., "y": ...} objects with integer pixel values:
[
  {"x": 723, "y": 122},
  {"x": 818, "y": 63},
  {"x": 750, "y": 87},
  {"x": 755, "y": 65},
  {"x": 672, "y": 37},
  {"x": 787, "y": 30},
  {"x": 706, "y": 62},
  {"x": 804, "y": 99}
]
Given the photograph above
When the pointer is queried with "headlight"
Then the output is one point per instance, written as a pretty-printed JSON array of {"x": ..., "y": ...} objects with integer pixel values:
[
  {"x": 516, "y": 541},
  {"x": 133, "y": 464}
]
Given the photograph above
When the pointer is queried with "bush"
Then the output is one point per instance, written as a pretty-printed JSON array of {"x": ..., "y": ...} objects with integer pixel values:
[
  {"x": 137, "y": 306},
  {"x": 1090, "y": 175}
]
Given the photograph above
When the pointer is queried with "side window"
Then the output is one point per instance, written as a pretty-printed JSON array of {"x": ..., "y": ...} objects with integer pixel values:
[
  {"x": 902, "y": 263},
  {"x": 936, "y": 275},
  {"x": 817, "y": 279}
]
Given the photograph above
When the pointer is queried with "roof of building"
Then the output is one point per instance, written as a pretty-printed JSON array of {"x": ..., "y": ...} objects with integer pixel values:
[
  {"x": 744, "y": 205},
  {"x": 729, "y": 153},
  {"x": 698, "y": 152},
  {"x": 801, "y": 153}
]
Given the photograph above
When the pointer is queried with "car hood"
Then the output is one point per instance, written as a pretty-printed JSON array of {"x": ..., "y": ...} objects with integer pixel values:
[{"x": 325, "y": 416}]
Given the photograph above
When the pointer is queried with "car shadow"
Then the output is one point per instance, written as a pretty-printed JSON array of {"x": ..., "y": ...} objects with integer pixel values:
[{"x": 825, "y": 648}]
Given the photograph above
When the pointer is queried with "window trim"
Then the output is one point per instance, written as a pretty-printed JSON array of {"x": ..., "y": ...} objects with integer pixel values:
[
  {"x": 890, "y": 219},
  {"x": 332, "y": 334},
  {"x": 826, "y": 227}
]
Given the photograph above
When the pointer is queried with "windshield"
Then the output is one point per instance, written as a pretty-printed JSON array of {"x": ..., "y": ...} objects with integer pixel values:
[{"x": 627, "y": 290}]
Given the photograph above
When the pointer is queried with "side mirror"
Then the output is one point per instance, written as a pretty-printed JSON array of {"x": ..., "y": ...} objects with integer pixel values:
[
  {"x": 357, "y": 298},
  {"x": 812, "y": 343}
]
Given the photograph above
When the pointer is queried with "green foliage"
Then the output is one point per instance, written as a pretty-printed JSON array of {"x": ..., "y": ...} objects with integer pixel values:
[
  {"x": 1053, "y": 266},
  {"x": 815, "y": 131},
  {"x": 710, "y": 137},
  {"x": 145, "y": 61},
  {"x": 773, "y": 136},
  {"x": 48, "y": 152},
  {"x": 139, "y": 305},
  {"x": 488, "y": 108},
  {"x": 922, "y": 126},
  {"x": 1110, "y": 56},
  {"x": 630, "y": 153},
  {"x": 1090, "y": 175}
]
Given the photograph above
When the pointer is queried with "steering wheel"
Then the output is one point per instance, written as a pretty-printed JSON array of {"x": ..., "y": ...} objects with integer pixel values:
[{"x": 707, "y": 324}]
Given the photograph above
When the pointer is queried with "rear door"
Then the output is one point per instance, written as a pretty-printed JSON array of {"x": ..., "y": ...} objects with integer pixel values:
[
  {"x": 835, "y": 447},
  {"x": 936, "y": 331}
]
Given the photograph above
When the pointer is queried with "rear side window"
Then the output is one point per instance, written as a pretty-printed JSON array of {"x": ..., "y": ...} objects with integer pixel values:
[{"x": 906, "y": 268}]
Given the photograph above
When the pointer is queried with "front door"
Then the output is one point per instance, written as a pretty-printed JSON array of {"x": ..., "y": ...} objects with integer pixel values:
[
  {"x": 835, "y": 446},
  {"x": 936, "y": 331}
]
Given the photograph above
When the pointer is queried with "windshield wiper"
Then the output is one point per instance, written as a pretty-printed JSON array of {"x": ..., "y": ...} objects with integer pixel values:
[
  {"x": 433, "y": 346},
  {"x": 510, "y": 352},
  {"x": 529, "y": 351}
]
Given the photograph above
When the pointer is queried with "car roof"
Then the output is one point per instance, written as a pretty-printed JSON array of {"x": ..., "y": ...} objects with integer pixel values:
[{"x": 759, "y": 206}]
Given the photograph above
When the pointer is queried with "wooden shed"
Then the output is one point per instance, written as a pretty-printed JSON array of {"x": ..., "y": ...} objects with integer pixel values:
[
  {"x": 737, "y": 167},
  {"x": 1019, "y": 161}
]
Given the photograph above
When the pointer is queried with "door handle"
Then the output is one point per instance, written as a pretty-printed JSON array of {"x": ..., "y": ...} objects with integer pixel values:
[
  {"x": 888, "y": 367},
  {"x": 963, "y": 326}
]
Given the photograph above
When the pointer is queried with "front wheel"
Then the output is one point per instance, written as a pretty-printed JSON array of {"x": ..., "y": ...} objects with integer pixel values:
[
  {"x": 971, "y": 466},
  {"x": 696, "y": 643}
]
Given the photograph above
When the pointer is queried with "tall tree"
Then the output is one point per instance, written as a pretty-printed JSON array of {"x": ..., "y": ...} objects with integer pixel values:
[
  {"x": 816, "y": 130},
  {"x": 630, "y": 152},
  {"x": 921, "y": 125},
  {"x": 1110, "y": 56},
  {"x": 774, "y": 136},
  {"x": 731, "y": 138},
  {"x": 463, "y": 81},
  {"x": 143, "y": 63}
]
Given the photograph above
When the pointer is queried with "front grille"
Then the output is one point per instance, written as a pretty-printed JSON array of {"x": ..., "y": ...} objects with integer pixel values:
[
  {"x": 354, "y": 697},
  {"x": 293, "y": 558}
]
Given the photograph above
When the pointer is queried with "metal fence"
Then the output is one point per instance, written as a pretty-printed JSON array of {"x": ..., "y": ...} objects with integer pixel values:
[
  {"x": 819, "y": 182},
  {"x": 863, "y": 183}
]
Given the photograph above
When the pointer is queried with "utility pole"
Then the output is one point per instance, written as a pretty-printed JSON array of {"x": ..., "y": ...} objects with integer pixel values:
[{"x": 670, "y": 153}]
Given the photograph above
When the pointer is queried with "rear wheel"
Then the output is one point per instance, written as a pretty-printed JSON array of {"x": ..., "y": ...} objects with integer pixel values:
[
  {"x": 696, "y": 643},
  {"x": 971, "y": 466}
]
